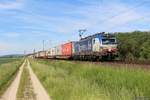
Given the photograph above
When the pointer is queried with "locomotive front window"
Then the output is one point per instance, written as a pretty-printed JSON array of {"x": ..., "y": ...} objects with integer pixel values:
[
  {"x": 96, "y": 40},
  {"x": 108, "y": 41}
]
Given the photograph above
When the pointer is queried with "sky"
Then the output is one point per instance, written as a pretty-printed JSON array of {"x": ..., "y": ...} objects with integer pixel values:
[{"x": 24, "y": 24}]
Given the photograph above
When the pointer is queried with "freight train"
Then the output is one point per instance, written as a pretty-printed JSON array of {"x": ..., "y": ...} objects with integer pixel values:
[{"x": 99, "y": 46}]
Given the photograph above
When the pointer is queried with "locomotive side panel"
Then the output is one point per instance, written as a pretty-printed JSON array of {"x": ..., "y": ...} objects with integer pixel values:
[{"x": 83, "y": 47}]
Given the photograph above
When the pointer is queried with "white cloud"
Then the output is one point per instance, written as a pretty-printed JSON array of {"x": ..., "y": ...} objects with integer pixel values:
[
  {"x": 10, "y": 35},
  {"x": 121, "y": 20},
  {"x": 11, "y": 5},
  {"x": 93, "y": 17}
]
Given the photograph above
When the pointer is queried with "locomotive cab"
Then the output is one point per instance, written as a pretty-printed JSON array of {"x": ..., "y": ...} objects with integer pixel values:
[
  {"x": 105, "y": 44},
  {"x": 109, "y": 45},
  {"x": 96, "y": 44}
]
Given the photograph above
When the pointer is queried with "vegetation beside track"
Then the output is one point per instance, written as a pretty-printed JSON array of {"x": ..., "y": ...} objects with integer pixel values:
[
  {"x": 25, "y": 90},
  {"x": 66, "y": 80},
  {"x": 8, "y": 70},
  {"x": 134, "y": 46}
]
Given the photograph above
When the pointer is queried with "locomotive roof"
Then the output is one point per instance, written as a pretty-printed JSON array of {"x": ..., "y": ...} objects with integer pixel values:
[{"x": 102, "y": 34}]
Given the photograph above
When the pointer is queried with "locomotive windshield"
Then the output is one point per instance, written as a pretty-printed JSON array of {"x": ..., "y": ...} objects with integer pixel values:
[{"x": 108, "y": 41}]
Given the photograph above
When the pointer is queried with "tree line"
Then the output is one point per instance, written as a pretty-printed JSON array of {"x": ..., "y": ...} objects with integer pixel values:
[{"x": 133, "y": 45}]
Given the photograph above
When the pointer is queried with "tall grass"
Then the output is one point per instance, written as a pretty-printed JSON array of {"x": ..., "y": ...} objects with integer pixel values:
[
  {"x": 66, "y": 80},
  {"x": 8, "y": 70}
]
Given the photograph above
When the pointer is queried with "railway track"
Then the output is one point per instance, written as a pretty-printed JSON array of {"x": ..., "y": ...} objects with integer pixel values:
[
  {"x": 136, "y": 64},
  {"x": 119, "y": 63}
]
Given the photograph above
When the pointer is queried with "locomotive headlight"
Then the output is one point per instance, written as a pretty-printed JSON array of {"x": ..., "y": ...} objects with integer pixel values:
[{"x": 109, "y": 49}]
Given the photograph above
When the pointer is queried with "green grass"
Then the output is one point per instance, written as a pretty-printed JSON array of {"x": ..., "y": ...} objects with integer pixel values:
[
  {"x": 7, "y": 60},
  {"x": 66, "y": 80},
  {"x": 8, "y": 70},
  {"x": 25, "y": 91}
]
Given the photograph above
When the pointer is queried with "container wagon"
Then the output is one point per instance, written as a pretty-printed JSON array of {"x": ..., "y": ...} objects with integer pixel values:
[
  {"x": 67, "y": 50},
  {"x": 51, "y": 53},
  {"x": 58, "y": 51},
  {"x": 41, "y": 54}
]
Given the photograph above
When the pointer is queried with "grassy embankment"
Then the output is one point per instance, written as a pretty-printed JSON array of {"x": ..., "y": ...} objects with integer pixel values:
[
  {"x": 66, "y": 80},
  {"x": 8, "y": 70},
  {"x": 25, "y": 91},
  {"x": 7, "y": 60}
]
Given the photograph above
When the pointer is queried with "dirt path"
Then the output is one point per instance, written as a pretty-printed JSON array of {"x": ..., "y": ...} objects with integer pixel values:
[
  {"x": 11, "y": 92},
  {"x": 39, "y": 90}
]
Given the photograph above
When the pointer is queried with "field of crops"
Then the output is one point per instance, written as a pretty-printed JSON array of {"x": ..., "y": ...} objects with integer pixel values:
[
  {"x": 66, "y": 80},
  {"x": 8, "y": 69}
]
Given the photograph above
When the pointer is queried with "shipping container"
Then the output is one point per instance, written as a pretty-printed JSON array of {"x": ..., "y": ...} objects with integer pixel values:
[
  {"x": 58, "y": 50},
  {"x": 67, "y": 50},
  {"x": 36, "y": 55},
  {"x": 48, "y": 53},
  {"x": 51, "y": 53},
  {"x": 42, "y": 54}
]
